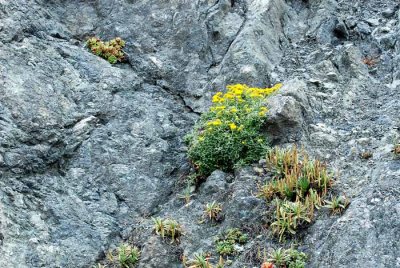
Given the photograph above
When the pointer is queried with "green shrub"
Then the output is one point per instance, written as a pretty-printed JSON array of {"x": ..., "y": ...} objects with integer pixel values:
[
  {"x": 111, "y": 50},
  {"x": 229, "y": 134}
]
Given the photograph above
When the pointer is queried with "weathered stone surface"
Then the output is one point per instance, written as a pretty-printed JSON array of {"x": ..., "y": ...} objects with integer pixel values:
[
  {"x": 286, "y": 112},
  {"x": 90, "y": 151}
]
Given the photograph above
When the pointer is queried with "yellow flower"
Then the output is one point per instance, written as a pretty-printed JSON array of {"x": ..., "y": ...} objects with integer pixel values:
[
  {"x": 234, "y": 110},
  {"x": 248, "y": 110},
  {"x": 215, "y": 122},
  {"x": 229, "y": 96},
  {"x": 232, "y": 126},
  {"x": 217, "y": 97},
  {"x": 201, "y": 138},
  {"x": 263, "y": 111}
]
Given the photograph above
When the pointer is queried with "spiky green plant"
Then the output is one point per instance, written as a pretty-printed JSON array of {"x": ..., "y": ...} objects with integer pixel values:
[
  {"x": 167, "y": 227},
  {"x": 337, "y": 204},
  {"x": 212, "y": 210}
]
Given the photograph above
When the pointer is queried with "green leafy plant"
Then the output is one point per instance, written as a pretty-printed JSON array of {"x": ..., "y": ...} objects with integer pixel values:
[
  {"x": 167, "y": 227},
  {"x": 213, "y": 210},
  {"x": 111, "y": 50},
  {"x": 229, "y": 134},
  {"x": 125, "y": 256},
  {"x": 337, "y": 204},
  {"x": 186, "y": 194},
  {"x": 202, "y": 260},
  {"x": 199, "y": 260},
  {"x": 287, "y": 258},
  {"x": 288, "y": 217},
  {"x": 226, "y": 244}
]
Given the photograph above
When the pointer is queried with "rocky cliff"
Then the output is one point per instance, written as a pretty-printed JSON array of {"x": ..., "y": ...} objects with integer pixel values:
[{"x": 90, "y": 151}]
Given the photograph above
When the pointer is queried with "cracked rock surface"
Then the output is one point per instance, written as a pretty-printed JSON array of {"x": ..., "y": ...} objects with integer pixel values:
[{"x": 89, "y": 151}]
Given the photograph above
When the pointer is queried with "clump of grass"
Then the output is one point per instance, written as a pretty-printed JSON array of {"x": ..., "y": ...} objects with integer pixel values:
[
  {"x": 337, "y": 204},
  {"x": 111, "y": 50},
  {"x": 227, "y": 243},
  {"x": 125, "y": 255},
  {"x": 229, "y": 134},
  {"x": 167, "y": 228},
  {"x": 298, "y": 184},
  {"x": 287, "y": 258},
  {"x": 213, "y": 211}
]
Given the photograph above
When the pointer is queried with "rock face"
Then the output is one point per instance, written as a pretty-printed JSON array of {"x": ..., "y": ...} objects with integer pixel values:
[{"x": 89, "y": 151}]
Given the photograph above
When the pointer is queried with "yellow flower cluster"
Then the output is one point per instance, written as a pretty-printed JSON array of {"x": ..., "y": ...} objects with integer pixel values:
[
  {"x": 215, "y": 122},
  {"x": 241, "y": 91},
  {"x": 237, "y": 104}
]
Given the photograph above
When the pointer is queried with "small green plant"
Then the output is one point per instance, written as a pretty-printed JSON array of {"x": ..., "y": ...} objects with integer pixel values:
[
  {"x": 186, "y": 194},
  {"x": 287, "y": 258},
  {"x": 201, "y": 260},
  {"x": 226, "y": 244},
  {"x": 288, "y": 217},
  {"x": 213, "y": 210},
  {"x": 111, "y": 50},
  {"x": 167, "y": 227},
  {"x": 337, "y": 204},
  {"x": 125, "y": 256},
  {"x": 229, "y": 134},
  {"x": 128, "y": 256}
]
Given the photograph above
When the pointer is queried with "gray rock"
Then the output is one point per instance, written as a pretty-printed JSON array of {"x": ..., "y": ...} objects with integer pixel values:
[
  {"x": 286, "y": 112},
  {"x": 341, "y": 30},
  {"x": 388, "y": 12},
  {"x": 215, "y": 184},
  {"x": 363, "y": 28},
  {"x": 89, "y": 151}
]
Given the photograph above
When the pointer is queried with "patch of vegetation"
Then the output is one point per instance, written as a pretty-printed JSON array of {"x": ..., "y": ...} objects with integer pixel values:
[
  {"x": 111, "y": 50},
  {"x": 213, "y": 211},
  {"x": 289, "y": 216},
  {"x": 229, "y": 134},
  {"x": 227, "y": 243},
  {"x": 167, "y": 228},
  {"x": 201, "y": 260},
  {"x": 287, "y": 258},
  {"x": 125, "y": 256},
  {"x": 337, "y": 204},
  {"x": 186, "y": 194},
  {"x": 298, "y": 185}
]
